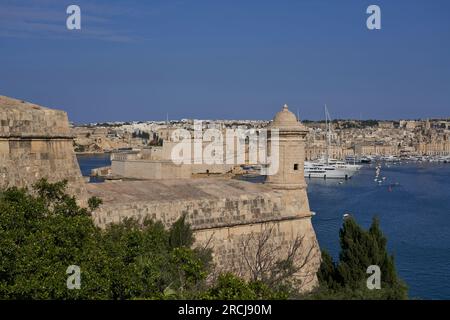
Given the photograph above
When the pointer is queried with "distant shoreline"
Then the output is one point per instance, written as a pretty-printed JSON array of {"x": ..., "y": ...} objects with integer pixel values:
[{"x": 92, "y": 152}]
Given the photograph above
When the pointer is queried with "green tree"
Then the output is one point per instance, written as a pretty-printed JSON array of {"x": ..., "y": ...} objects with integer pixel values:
[
  {"x": 40, "y": 236},
  {"x": 44, "y": 231},
  {"x": 180, "y": 234},
  {"x": 346, "y": 279}
]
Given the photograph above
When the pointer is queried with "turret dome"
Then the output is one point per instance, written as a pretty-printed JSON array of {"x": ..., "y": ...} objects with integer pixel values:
[{"x": 284, "y": 118}]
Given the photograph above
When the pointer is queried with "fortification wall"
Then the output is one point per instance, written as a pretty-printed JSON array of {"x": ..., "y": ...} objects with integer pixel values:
[
  {"x": 242, "y": 249},
  {"x": 208, "y": 203},
  {"x": 149, "y": 169},
  {"x": 231, "y": 224},
  {"x": 35, "y": 143}
]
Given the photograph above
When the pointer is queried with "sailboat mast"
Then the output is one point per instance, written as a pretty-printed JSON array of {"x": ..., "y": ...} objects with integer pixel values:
[{"x": 327, "y": 154}]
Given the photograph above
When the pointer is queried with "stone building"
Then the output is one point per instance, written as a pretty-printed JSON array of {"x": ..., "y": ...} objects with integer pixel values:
[
  {"x": 438, "y": 147},
  {"x": 319, "y": 149},
  {"x": 35, "y": 143},
  {"x": 374, "y": 149},
  {"x": 156, "y": 163}
]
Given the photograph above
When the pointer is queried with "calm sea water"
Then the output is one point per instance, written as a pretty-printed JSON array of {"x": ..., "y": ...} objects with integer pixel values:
[
  {"x": 88, "y": 162},
  {"x": 414, "y": 215}
]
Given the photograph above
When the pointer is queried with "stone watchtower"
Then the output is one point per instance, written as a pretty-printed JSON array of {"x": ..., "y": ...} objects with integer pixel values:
[{"x": 290, "y": 145}]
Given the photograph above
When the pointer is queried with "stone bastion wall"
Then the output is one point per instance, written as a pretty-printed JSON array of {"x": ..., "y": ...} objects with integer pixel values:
[
  {"x": 246, "y": 225},
  {"x": 231, "y": 217},
  {"x": 35, "y": 143}
]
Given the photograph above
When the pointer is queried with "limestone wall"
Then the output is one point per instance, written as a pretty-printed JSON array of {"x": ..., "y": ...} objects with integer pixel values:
[
  {"x": 231, "y": 223},
  {"x": 206, "y": 212},
  {"x": 35, "y": 143},
  {"x": 242, "y": 249},
  {"x": 149, "y": 169}
]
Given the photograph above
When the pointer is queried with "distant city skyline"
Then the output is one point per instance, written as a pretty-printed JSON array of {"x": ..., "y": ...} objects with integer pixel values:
[
  {"x": 243, "y": 120},
  {"x": 136, "y": 61}
]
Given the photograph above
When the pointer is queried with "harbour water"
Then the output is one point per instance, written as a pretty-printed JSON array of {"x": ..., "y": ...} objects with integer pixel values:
[
  {"x": 414, "y": 215},
  {"x": 88, "y": 162},
  {"x": 412, "y": 203}
]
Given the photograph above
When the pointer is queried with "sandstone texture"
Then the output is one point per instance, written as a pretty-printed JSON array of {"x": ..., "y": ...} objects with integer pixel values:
[{"x": 35, "y": 143}]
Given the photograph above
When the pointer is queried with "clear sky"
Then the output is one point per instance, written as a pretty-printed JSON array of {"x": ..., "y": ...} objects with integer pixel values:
[{"x": 209, "y": 59}]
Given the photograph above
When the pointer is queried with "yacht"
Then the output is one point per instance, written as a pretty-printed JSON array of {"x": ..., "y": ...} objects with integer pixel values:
[
  {"x": 324, "y": 171},
  {"x": 366, "y": 159},
  {"x": 355, "y": 159},
  {"x": 326, "y": 167},
  {"x": 342, "y": 164}
]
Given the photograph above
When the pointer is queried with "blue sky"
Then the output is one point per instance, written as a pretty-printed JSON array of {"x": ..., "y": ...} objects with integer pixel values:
[{"x": 139, "y": 60}]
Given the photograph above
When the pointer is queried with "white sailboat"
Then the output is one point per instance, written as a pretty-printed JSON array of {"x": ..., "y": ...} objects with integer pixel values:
[{"x": 325, "y": 167}]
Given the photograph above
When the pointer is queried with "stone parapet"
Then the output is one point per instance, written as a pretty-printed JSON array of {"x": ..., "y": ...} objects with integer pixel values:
[
  {"x": 208, "y": 203},
  {"x": 23, "y": 119},
  {"x": 35, "y": 143}
]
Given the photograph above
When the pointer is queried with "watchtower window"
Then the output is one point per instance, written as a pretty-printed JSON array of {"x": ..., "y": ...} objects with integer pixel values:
[{"x": 296, "y": 166}]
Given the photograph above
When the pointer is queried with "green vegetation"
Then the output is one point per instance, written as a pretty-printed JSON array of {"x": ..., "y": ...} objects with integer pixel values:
[
  {"x": 43, "y": 232},
  {"x": 141, "y": 134},
  {"x": 346, "y": 279},
  {"x": 230, "y": 287},
  {"x": 358, "y": 124}
]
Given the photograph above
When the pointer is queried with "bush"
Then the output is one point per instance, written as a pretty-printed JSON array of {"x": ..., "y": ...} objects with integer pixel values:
[
  {"x": 44, "y": 232},
  {"x": 230, "y": 287}
]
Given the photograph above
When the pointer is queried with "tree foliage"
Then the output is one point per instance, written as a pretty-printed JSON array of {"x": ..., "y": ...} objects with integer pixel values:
[
  {"x": 231, "y": 287},
  {"x": 43, "y": 232},
  {"x": 346, "y": 278}
]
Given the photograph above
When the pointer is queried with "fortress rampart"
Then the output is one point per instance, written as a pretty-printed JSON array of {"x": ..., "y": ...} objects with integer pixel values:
[
  {"x": 35, "y": 143},
  {"x": 247, "y": 225},
  {"x": 240, "y": 221},
  {"x": 228, "y": 216}
]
